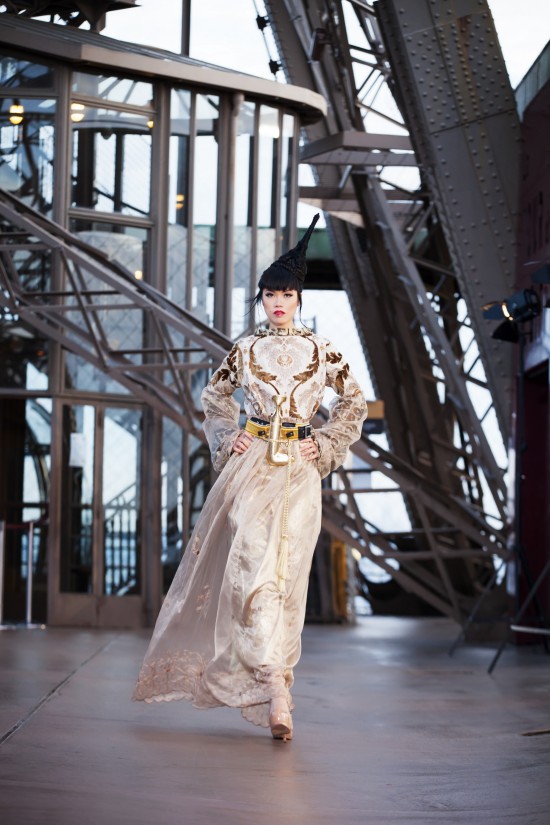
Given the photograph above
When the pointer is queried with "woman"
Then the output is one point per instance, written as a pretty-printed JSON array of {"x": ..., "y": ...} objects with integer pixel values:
[{"x": 229, "y": 630}]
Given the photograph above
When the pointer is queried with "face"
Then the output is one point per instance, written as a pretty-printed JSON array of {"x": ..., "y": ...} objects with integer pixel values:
[{"x": 280, "y": 307}]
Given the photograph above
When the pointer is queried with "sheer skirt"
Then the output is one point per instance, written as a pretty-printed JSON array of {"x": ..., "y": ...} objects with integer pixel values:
[{"x": 225, "y": 635}]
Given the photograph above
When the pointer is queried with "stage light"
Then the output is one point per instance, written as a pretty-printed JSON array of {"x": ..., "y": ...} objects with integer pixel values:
[
  {"x": 521, "y": 306},
  {"x": 16, "y": 113}
]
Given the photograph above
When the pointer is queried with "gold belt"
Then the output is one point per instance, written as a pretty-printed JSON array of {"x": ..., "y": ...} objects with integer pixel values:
[{"x": 289, "y": 432}]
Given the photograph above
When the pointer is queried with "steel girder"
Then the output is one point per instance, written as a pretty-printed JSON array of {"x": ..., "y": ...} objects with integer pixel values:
[
  {"x": 418, "y": 341},
  {"x": 85, "y": 319},
  {"x": 451, "y": 81}
]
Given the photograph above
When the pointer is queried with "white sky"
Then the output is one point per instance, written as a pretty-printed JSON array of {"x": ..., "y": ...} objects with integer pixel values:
[{"x": 225, "y": 32}]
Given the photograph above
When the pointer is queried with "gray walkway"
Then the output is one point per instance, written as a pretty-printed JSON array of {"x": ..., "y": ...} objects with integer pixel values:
[{"x": 389, "y": 730}]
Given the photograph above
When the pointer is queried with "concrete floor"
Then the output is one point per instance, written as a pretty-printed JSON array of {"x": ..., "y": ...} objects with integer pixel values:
[{"x": 389, "y": 730}]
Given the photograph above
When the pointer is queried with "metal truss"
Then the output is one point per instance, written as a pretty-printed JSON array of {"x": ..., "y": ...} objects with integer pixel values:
[
  {"x": 70, "y": 12},
  {"x": 407, "y": 288},
  {"x": 101, "y": 305},
  {"x": 119, "y": 325}
]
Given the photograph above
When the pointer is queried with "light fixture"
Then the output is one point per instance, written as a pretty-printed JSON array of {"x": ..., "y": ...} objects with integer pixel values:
[
  {"x": 150, "y": 123},
  {"x": 521, "y": 306},
  {"x": 180, "y": 201},
  {"x": 138, "y": 275},
  {"x": 16, "y": 113},
  {"x": 77, "y": 112}
]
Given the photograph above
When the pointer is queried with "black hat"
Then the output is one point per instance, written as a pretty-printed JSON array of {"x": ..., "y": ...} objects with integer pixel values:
[{"x": 293, "y": 261}]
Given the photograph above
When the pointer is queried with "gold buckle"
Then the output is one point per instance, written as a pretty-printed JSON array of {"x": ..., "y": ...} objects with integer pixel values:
[{"x": 262, "y": 431}]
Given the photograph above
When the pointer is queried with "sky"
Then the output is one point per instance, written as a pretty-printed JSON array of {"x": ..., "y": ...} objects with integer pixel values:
[{"x": 220, "y": 28}]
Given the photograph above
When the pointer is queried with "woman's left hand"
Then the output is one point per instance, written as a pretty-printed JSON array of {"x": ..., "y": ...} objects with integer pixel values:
[{"x": 309, "y": 449}]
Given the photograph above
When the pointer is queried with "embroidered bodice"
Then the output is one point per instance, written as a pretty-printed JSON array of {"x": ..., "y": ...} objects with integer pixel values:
[{"x": 298, "y": 364}]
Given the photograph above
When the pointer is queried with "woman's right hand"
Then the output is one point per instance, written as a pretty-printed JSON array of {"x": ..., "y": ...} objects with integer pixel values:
[{"x": 242, "y": 442}]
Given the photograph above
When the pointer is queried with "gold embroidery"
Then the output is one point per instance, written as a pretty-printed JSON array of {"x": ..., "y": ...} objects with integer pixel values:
[
  {"x": 341, "y": 376},
  {"x": 258, "y": 372},
  {"x": 334, "y": 357},
  {"x": 231, "y": 372},
  {"x": 284, "y": 360},
  {"x": 301, "y": 378}
]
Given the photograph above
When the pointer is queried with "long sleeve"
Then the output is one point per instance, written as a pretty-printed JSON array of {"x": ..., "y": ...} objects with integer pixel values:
[
  {"x": 221, "y": 424},
  {"x": 346, "y": 414}
]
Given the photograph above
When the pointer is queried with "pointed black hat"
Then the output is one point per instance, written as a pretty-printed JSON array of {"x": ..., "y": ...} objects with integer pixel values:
[{"x": 293, "y": 261}]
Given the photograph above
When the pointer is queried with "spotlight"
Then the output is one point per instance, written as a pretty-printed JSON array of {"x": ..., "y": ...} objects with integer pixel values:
[{"x": 521, "y": 306}]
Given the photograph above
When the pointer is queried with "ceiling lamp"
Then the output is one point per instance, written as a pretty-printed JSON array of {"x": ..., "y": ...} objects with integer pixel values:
[
  {"x": 16, "y": 113},
  {"x": 77, "y": 112}
]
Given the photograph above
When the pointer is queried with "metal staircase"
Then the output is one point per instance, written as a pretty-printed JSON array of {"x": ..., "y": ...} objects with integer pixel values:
[{"x": 54, "y": 283}]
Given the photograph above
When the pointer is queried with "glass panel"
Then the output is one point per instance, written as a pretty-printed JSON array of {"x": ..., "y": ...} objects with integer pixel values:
[
  {"x": 243, "y": 206},
  {"x": 111, "y": 160},
  {"x": 287, "y": 161},
  {"x": 205, "y": 185},
  {"x": 186, "y": 476},
  {"x": 121, "y": 475},
  {"x": 122, "y": 328},
  {"x": 267, "y": 165},
  {"x": 23, "y": 354},
  {"x": 20, "y": 74},
  {"x": 115, "y": 89},
  {"x": 269, "y": 134},
  {"x": 23, "y": 357},
  {"x": 266, "y": 249},
  {"x": 27, "y": 150},
  {"x": 77, "y": 498},
  {"x": 178, "y": 196}
]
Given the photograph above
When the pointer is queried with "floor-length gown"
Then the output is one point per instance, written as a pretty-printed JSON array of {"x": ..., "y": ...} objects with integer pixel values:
[{"x": 226, "y": 634}]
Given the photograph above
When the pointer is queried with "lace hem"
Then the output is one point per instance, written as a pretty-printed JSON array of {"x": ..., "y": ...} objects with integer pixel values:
[
  {"x": 172, "y": 677},
  {"x": 180, "y": 676}
]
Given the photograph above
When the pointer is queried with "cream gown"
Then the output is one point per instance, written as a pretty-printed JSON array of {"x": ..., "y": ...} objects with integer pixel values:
[{"x": 225, "y": 634}]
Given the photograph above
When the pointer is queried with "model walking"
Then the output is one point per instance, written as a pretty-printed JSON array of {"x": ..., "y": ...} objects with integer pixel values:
[{"x": 229, "y": 630}]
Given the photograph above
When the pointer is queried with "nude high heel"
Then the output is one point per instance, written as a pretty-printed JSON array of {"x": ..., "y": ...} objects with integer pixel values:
[{"x": 280, "y": 720}]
